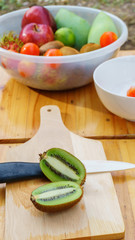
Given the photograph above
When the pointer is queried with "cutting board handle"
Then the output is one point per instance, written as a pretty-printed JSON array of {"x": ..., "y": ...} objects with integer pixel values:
[{"x": 50, "y": 116}]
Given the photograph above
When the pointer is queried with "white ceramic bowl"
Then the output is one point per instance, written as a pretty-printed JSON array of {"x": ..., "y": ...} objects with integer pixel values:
[
  {"x": 112, "y": 79},
  {"x": 74, "y": 71}
]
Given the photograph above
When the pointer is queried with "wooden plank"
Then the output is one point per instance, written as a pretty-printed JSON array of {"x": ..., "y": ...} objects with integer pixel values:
[
  {"x": 2, "y": 210},
  {"x": 82, "y": 111},
  {"x": 120, "y": 150},
  {"x": 123, "y": 150},
  {"x": 3, "y": 150},
  {"x": 97, "y": 215}
]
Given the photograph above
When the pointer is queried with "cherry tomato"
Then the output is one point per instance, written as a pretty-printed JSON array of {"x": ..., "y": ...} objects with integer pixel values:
[
  {"x": 107, "y": 38},
  {"x": 30, "y": 49},
  {"x": 8, "y": 62},
  {"x": 131, "y": 92},
  {"x": 53, "y": 53},
  {"x": 26, "y": 69}
]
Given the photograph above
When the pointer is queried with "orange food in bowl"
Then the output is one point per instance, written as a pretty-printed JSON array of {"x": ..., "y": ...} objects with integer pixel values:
[{"x": 131, "y": 92}]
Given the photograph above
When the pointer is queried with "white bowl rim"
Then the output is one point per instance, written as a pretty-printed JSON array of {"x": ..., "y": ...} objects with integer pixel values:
[
  {"x": 129, "y": 57},
  {"x": 72, "y": 58}
]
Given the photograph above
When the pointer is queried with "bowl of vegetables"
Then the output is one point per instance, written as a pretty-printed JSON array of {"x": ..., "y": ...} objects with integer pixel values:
[
  {"x": 58, "y": 47},
  {"x": 115, "y": 85}
]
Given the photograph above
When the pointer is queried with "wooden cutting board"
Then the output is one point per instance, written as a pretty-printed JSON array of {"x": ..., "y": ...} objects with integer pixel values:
[{"x": 96, "y": 216}]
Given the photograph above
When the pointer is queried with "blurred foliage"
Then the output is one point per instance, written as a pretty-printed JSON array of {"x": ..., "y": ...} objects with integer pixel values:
[{"x": 4, "y": 4}]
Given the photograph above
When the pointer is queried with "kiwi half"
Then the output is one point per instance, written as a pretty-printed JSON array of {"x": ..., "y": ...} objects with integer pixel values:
[
  {"x": 56, "y": 196},
  {"x": 59, "y": 165}
]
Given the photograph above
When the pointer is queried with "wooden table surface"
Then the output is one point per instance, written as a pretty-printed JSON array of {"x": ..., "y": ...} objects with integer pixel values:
[{"x": 82, "y": 113}]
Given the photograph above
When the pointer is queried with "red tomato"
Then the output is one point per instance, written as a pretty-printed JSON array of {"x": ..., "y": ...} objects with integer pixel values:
[
  {"x": 26, "y": 69},
  {"x": 131, "y": 92},
  {"x": 53, "y": 53},
  {"x": 8, "y": 62},
  {"x": 107, "y": 38},
  {"x": 30, "y": 49}
]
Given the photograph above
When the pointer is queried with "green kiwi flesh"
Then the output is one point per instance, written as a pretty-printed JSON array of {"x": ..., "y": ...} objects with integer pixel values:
[
  {"x": 57, "y": 196},
  {"x": 59, "y": 165}
]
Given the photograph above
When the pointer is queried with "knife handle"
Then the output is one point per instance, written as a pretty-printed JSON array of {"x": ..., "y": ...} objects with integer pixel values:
[{"x": 13, "y": 171}]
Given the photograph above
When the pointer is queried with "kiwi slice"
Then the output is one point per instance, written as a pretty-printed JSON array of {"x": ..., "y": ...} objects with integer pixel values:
[
  {"x": 59, "y": 165},
  {"x": 56, "y": 196}
]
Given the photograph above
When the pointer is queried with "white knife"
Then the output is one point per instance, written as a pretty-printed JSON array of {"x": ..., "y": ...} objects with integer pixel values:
[
  {"x": 101, "y": 166},
  {"x": 13, "y": 171}
]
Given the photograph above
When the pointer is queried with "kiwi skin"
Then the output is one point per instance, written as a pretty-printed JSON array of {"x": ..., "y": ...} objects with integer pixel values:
[
  {"x": 89, "y": 47},
  {"x": 68, "y": 51},
  {"x": 61, "y": 152},
  {"x": 55, "y": 208},
  {"x": 53, "y": 44}
]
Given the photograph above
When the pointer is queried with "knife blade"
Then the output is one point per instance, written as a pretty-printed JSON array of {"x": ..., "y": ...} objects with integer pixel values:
[
  {"x": 102, "y": 166},
  {"x": 14, "y": 171}
]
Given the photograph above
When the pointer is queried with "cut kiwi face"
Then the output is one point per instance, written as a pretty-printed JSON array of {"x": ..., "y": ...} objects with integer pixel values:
[
  {"x": 57, "y": 196},
  {"x": 59, "y": 165}
]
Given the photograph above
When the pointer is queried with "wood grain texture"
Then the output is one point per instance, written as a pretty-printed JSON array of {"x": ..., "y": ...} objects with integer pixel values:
[
  {"x": 82, "y": 111},
  {"x": 123, "y": 150},
  {"x": 120, "y": 150},
  {"x": 97, "y": 215},
  {"x": 3, "y": 150},
  {"x": 2, "y": 210}
]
